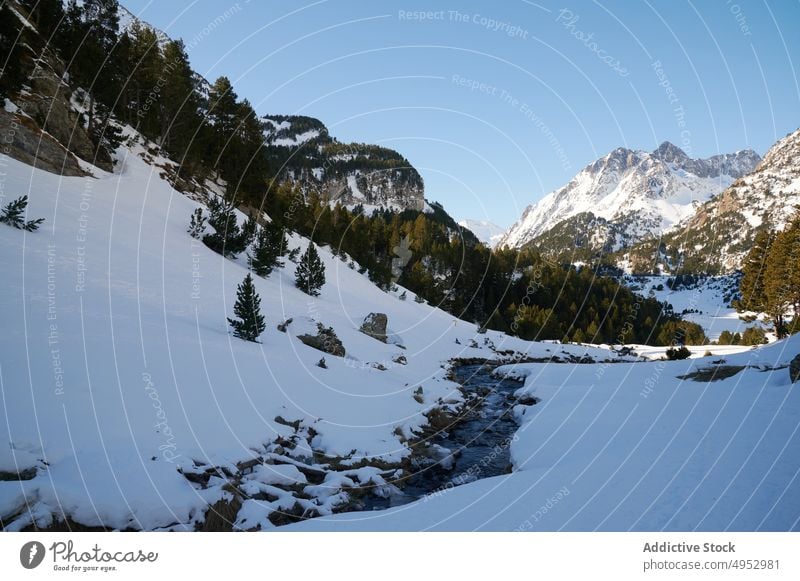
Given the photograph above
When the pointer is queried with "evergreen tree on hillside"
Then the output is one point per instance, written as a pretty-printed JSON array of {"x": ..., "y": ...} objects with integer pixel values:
[
  {"x": 751, "y": 286},
  {"x": 179, "y": 115},
  {"x": 249, "y": 323},
  {"x": 11, "y": 75},
  {"x": 310, "y": 273},
  {"x": 226, "y": 237},
  {"x": 780, "y": 277},
  {"x": 87, "y": 41},
  {"x": 197, "y": 224},
  {"x": 13, "y": 214},
  {"x": 269, "y": 246}
]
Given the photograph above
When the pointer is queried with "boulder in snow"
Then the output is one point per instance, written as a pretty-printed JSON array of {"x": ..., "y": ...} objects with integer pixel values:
[
  {"x": 374, "y": 325},
  {"x": 325, "y": 340},
  {"x": 794, "y": 369}
]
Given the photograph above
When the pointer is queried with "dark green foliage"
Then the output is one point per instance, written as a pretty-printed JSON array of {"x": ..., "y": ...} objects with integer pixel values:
[
  {"x": 197, "y": 224},
  {"x": 753, "y": 336},
  {"x": 728, "y": 338},
  {"x": 45, "y": 15},
  {"x": 310, "y": 273},
  {"x": 249, "y": 323},
  {"x": 676, "y": 353},
  {"x": 270, "y": 245},
  {"x": 771, "y": 277},
  {"x": 681, "y": 333},
  {"x": 13, "y": 214},
  {"x": 11, "y": 73},
  {"x": 751, "y": 286},
  {"x": 222, "y": 218},
  {"x": 507, "y": 290},
  {"x": 228, "y": 238}
]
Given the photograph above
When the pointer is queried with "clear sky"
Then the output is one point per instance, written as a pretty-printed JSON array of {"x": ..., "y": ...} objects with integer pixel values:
[{"x": 498, "y": 103}]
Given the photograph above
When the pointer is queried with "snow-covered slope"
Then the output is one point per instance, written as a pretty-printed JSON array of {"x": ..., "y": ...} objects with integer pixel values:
[
  {"x": 722, "y": 231},
  {"x": 118, "y": 374},
  {"x": 487, "y": 232},
  {"x": 705, "y": 301},
  {"x": 637, "y": 193},
  {"x": 644, "y": 446}
]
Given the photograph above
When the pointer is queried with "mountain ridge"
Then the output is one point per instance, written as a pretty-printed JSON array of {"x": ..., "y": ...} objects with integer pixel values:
[{"x": 637, "y": 194}]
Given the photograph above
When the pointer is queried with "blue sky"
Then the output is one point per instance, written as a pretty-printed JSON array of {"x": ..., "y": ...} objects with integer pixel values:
[{"x": 498, "y": 103}]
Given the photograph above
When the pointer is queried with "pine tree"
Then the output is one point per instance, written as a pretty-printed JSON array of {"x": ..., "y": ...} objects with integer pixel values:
[
  {"x": 270, "y": 245},
  {"x": 777, "y": 291},
  {"x": 226, "y": 238},
  {"x": 310, "y": 273},
  {"x": 250, "y": 323},
  {"x": 197, "y": 224},
  {"x": 11, "y": 73},
  {"x": 13, "y": 214},
  {"x": 751, "y": 286},
  {"x": 179, "y": 110}
]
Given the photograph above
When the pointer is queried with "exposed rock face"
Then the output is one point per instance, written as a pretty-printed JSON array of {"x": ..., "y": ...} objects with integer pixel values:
[
  {"x": 634, "y": 194},
  {"x": 374, "y": 325},
  {"x": 25, "y": 142},
  {"x": 44, "y": 129},
  {"x": 386, "y": 188},
  {"x": 349, "y": 173},
  {"x": 794, "y": 369},
  {"x": 325, "y": 340},
  {"x": 722, "y": 230},
  {"x": 49, "y": 104}
]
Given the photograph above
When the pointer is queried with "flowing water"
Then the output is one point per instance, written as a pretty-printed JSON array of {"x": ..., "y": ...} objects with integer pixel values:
[{"x": 476, "y": 447}]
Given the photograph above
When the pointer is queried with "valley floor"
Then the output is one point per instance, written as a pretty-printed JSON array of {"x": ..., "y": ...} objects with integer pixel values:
[{"x": 127, "y": 404}]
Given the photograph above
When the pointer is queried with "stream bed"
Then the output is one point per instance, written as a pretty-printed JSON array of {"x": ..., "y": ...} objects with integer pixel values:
[{"x": 476, "y": 447}]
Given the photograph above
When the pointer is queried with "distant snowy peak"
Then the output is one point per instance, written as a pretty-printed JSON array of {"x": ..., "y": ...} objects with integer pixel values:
[
  {"x": 487, "y": 232},
  {"x": 718, "y": 236},
  {"x": 642, "y": 193}
]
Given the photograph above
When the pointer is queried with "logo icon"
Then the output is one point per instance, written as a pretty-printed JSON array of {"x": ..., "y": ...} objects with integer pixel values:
[{"x": 31, "y": 554}]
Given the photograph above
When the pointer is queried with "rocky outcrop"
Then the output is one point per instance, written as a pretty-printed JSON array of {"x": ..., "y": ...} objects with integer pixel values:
[
  {"x": 717, "y": 238},
  {"x": 303, "y": 152},
  {"x": 23, "y": 140},
  {"x": 43, "y": 127},
  {"x": 374, "y": 325},
  {"x": 325, "y": 340},
  {"x": 794, "y": 369},
  {"x": 635, "y": 194}
]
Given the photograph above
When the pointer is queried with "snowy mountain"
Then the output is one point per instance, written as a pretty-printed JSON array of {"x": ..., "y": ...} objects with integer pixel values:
[
  {"x": 302, "y": 151},
  {"x": 627, "y": 196},
  {"x": 128, "y": 404},
  {"x": 718, "y": 236},
  {"x": 486, "y": 231}
]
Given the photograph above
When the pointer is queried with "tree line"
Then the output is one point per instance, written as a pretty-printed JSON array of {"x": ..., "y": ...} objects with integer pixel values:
[
  {"x": 771, "y": 277},
  {"x": 137, "y": 78}
]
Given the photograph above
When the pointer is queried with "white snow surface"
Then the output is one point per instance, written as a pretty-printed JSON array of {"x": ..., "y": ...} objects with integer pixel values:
[
  {"x": 618, "y": 447},
  {"x": 487, "y": 232},
  {"x": 117, "y": 367},
  {"x": 648, "y": 192},
  {"x": 703, "y": 303}
]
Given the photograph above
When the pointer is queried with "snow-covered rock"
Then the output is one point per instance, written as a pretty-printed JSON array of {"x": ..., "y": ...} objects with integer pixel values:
[{"x": 635, "y": 194}]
